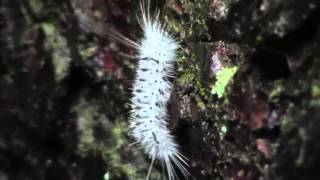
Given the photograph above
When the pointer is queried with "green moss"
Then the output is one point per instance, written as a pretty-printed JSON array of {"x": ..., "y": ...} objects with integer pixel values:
[
  {"x": 199, "y": 12},
  {"x": 200, "y": 88},
  {"x": 316, "y": 91},
  {"x": 223, "y": 77},
  {"x": 200, "y": 103},
  {"x": 186, "y": 78}
]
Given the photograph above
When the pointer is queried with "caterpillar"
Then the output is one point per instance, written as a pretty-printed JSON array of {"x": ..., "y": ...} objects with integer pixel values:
[{"x": 150, "y": 93}]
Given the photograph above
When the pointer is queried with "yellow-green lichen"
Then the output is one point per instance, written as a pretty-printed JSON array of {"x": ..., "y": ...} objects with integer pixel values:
[
  {"x": 223, "y": 131},
  {"x": 277, "y": 90},
  {"x": 106, "y": 176},
  {"x": 60, "y": 52},
  {"x": 87, "y": 52},
  {"x": 200, "y": 103},
  {"x": 315, "y": 91},
  {"x": 99, "y": 136},
  {"x": 186, "y": 78},
  {"x": 223, "y": 77}
]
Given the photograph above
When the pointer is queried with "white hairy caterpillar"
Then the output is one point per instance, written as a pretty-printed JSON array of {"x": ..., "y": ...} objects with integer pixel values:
[
  {"x": 151, "y": 92},
  {"x": 151, "y": 89}
]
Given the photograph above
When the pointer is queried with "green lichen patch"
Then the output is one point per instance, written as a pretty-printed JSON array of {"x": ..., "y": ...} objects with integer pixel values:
[
  {"x": 223, "y": 131},
  {"x": 223, "y": 77},
  {"x": 99, "y": 136},
  {"x": 60, "y": 52}
]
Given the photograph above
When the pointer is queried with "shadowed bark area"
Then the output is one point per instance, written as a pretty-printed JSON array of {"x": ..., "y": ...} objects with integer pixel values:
[{"x": 65, "y": 89}]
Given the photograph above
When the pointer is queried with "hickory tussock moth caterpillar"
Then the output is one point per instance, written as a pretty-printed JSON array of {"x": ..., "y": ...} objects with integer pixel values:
[{"x": 151, "y": 92}]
